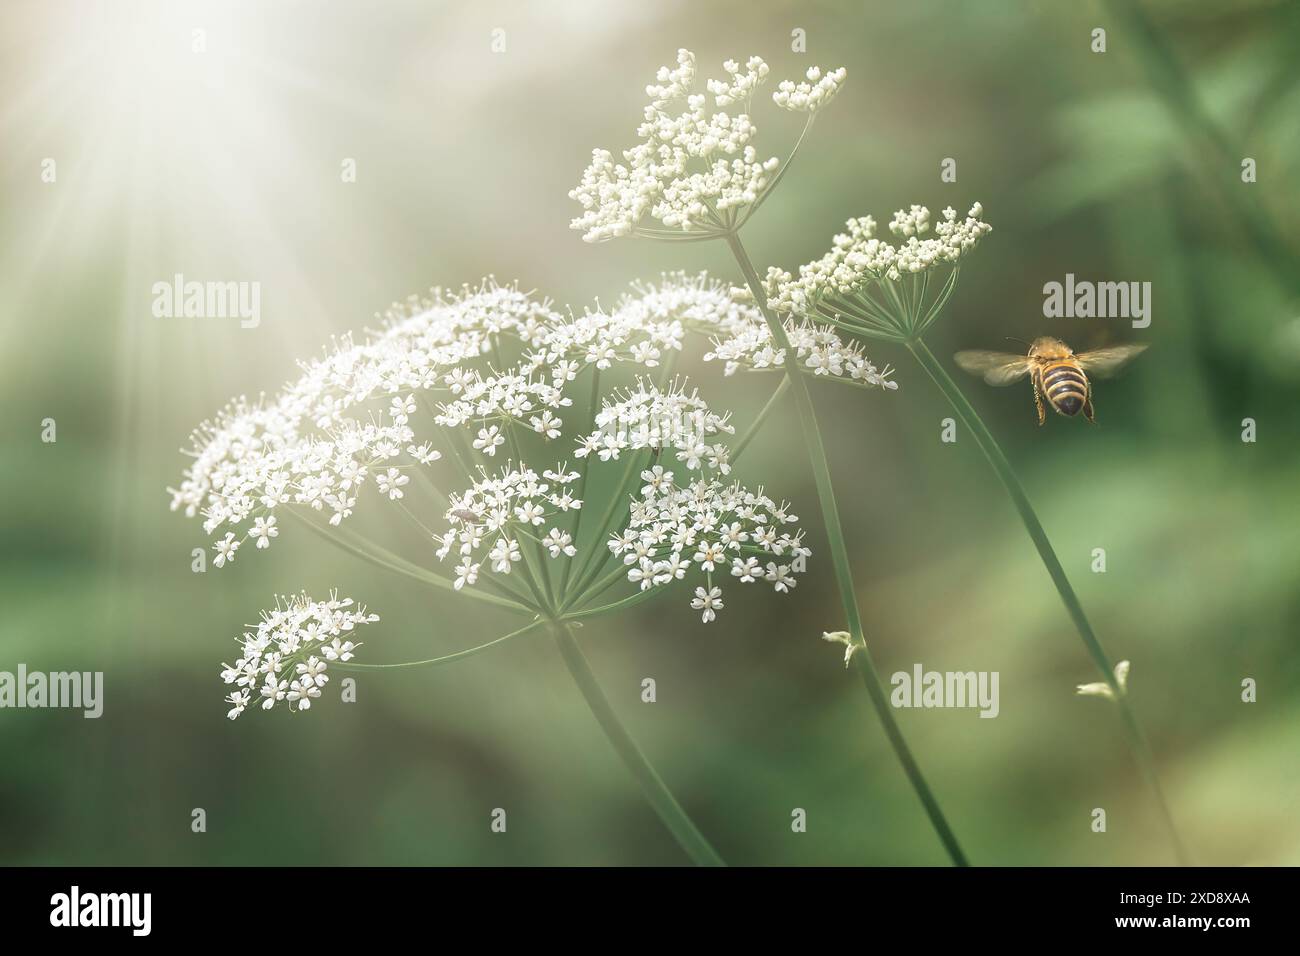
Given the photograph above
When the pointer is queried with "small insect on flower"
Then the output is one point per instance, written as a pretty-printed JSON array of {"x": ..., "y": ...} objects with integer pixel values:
[
  {"x": 1054, "y": 370},
  {"x": 286, "y": 656}
]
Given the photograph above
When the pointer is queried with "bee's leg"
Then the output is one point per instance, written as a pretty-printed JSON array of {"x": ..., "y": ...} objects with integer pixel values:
[
  {"x": 1088, "y": 413},
  {"x": 1038, "y": 404}
]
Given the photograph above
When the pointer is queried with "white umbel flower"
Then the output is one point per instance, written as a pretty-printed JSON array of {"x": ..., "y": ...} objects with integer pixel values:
[
  {"x": 703, "y": 527},
  {"x": 739, "y": 336},
  {"x": 352, "y": 414},
  {"x": 285, "y": 657},
  {"x": 857, "y": 257},
  {"x": 497, "y": 509},
  {"x": 696, "y": 170}
]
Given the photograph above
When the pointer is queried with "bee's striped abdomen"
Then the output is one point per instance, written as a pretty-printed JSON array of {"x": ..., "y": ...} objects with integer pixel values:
[{"x": 1065, "y": 386}]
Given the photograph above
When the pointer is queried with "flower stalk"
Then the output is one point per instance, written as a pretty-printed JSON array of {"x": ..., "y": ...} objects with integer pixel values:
[
  {"x": 686, "y": 833},
  {"x": 840, "y": 558},
  {"x": 1047, "y": 554}
]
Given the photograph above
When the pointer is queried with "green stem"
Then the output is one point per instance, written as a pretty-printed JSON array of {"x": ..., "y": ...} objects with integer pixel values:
[
  {"x": 392, "y": 562},
  {"x": 988, "y": 444},
  {"x": 688, "y": 836},
  {"x": 840, "y": 558},
  {"x": 592, "y": 408},
  {"x": 446, "y": 658},
  {"x": 597, "y": 553},
  {"x": 739, "y": 448}
]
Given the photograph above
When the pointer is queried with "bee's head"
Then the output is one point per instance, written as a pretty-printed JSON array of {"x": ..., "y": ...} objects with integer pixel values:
[{"x": 1046, "y": 347}]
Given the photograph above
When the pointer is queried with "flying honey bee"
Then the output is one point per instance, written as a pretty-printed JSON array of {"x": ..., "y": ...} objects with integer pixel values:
[{"x": 1056, "y": 373}]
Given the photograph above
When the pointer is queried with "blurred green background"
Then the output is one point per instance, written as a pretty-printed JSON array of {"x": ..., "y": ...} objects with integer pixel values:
[{"x": 226, "y": 165}]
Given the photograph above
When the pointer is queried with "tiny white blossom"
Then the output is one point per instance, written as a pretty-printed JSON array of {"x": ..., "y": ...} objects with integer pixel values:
[
  {"x": 390, "y": 483},
  {"x": 488, "y": 440},
  {"x": 559, "y": 542},
  {"x": 264, "y": 530},
  {"x": 710, "y": 602},
  {"x": 225, "y": 549}
]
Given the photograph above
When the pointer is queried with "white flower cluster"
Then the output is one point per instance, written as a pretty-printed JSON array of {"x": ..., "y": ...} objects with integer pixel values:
[
  {"x": 286, "y": 656},
  {"x": 812, "y": 95},
  {"x": 501, "y": 399},
  {"x": 711, "y": 527},
  {"x": 697, "y": 303},
  {"x": 693, "y": 169},
  {"x": 604, "y": 339},
  {"x": 819, "y": 348},
  {"x": 739, "y": 336},
  {"x": 646, "y": 417},
  {"x": 352, "y": 418},
  {"x": 496, "y": 510},
  {"x": 349, "y": 414},
  {"x": 857, "y": 257}
]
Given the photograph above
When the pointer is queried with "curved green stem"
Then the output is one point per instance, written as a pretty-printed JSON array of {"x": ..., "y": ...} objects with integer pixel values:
[
  {"x": 688, "y": 836},
  {"x": 988, "y": 444},
  {"x": 392, "y": 562},
  {"x": 633, "y": 599},
  {"x": 596, "y": 554},
  {"x": 739, "y": 448},
  {"x": 446, "y": 658},
  {"x": 840, "y": 559}
]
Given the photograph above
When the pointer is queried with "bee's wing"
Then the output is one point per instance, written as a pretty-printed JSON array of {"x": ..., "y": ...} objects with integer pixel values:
[
  {"x": 1104, "y": 362},
  {"x": 997, "y": 368}
]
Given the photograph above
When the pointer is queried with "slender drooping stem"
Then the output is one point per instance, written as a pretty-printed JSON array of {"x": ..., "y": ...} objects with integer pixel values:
[
  {"x": 988, "y": 444},
  {"x": 446, "y": 658},
  {"x": 695, "y": 844},
  {"x": 739, "y": 448},
  {"x": 840, "y": 558}
]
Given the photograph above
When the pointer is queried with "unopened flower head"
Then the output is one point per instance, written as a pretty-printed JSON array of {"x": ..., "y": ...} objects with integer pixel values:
[
  {"x": 857, "y": 258},
  {"x": 1102, "y": 688},
  {"x": 858, "y": 283},
  {"x": 815, "y": 91},
  {"x": 284, "y": 659},
  {"x": 695, "y": 168}
]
